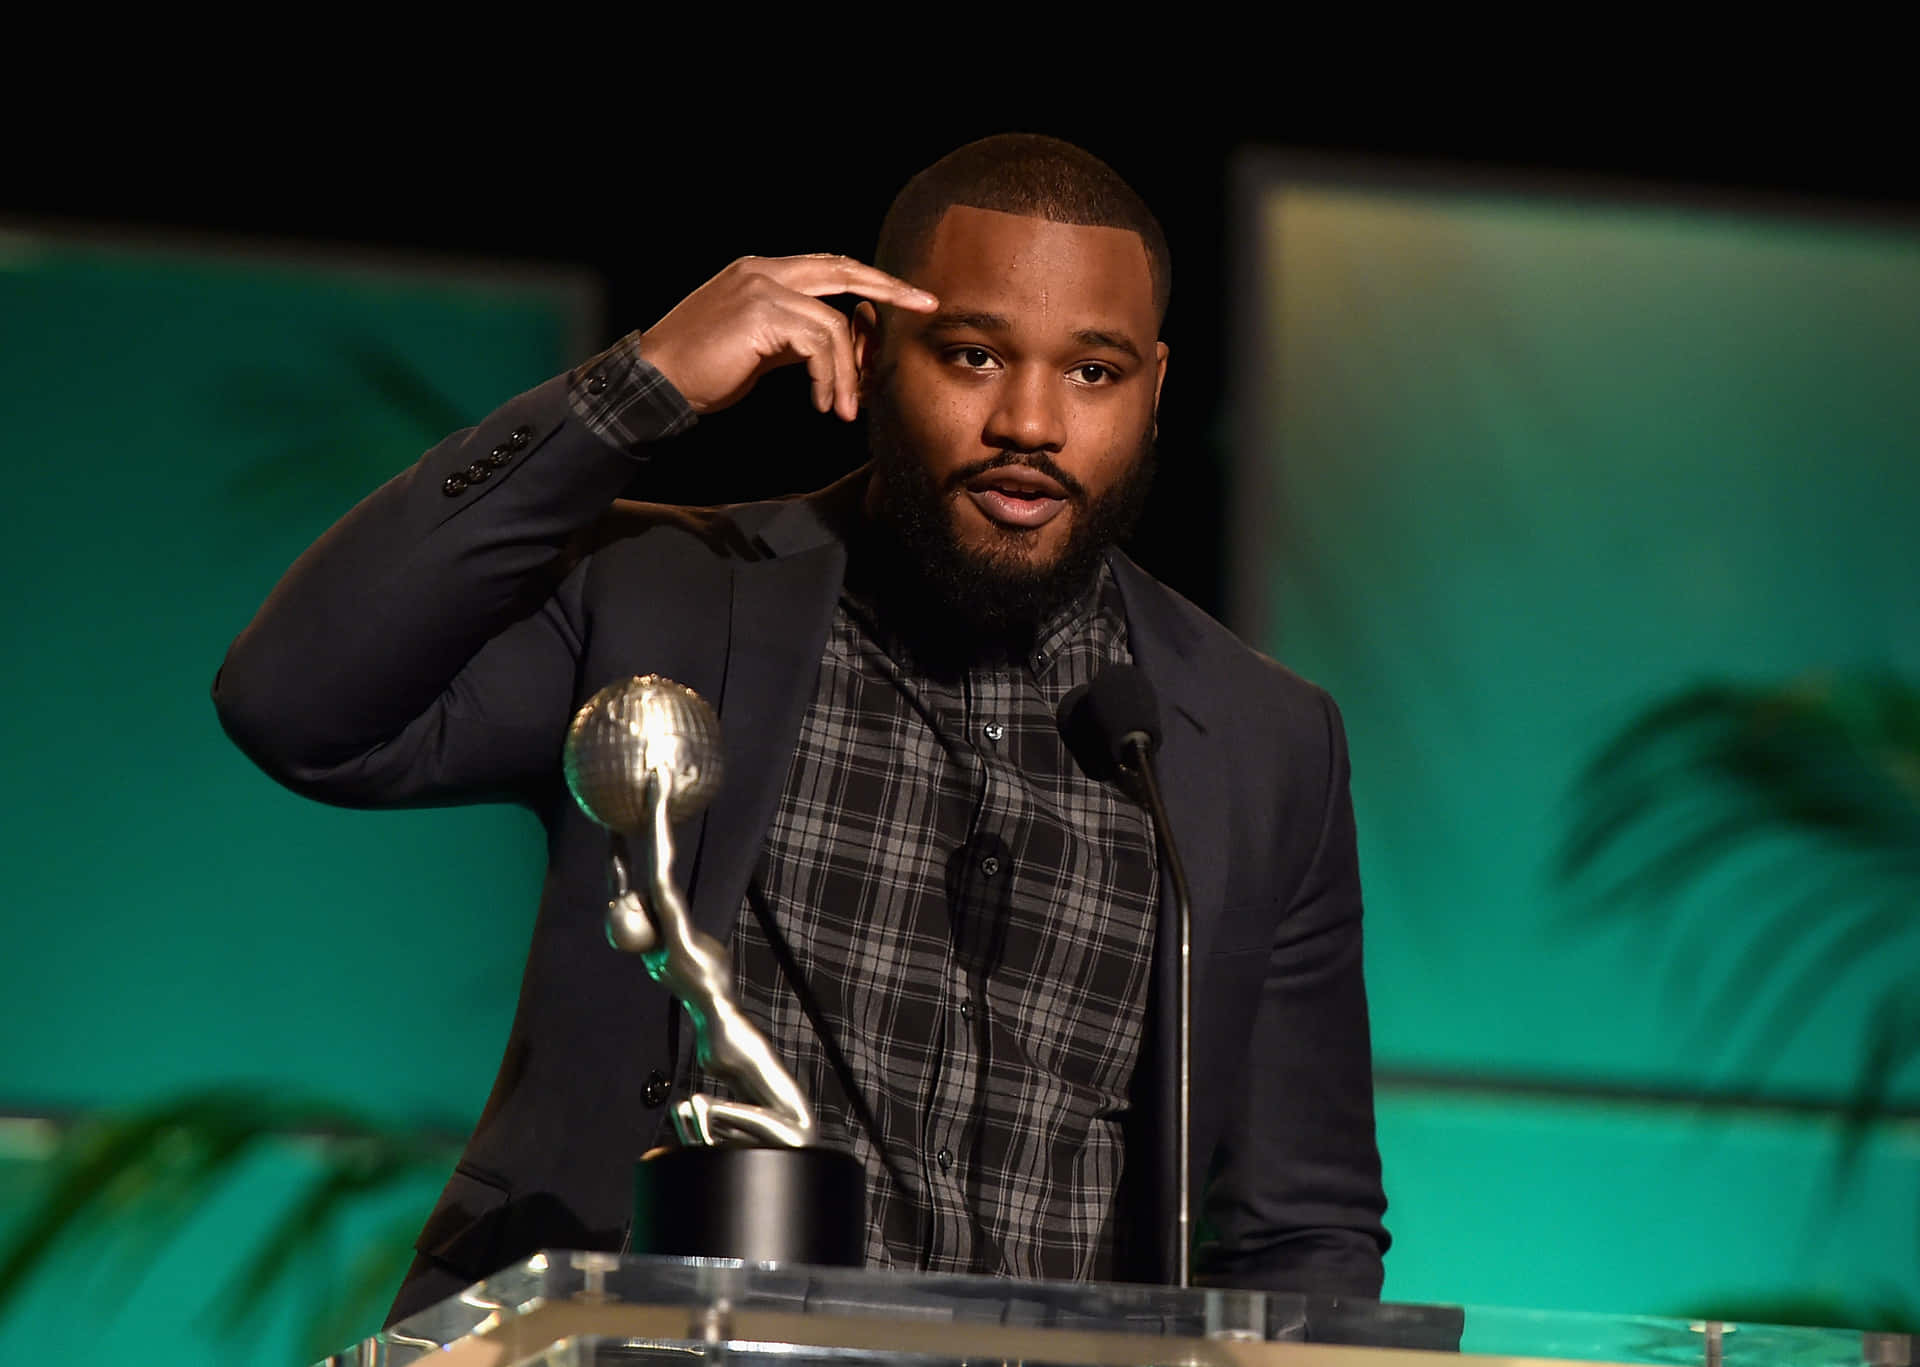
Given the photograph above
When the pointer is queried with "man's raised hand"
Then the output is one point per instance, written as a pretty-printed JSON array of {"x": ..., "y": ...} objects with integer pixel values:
[{"x": 761, "y": 313}]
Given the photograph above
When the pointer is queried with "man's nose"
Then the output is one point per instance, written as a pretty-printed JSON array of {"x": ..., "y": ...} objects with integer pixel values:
[{"x": 1030, "y": 415}]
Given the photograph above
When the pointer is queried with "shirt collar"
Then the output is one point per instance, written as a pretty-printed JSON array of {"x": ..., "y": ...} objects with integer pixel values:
[{"x": 911, "y": 652}]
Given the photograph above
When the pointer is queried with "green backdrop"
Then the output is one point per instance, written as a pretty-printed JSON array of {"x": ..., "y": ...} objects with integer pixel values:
[{"x": 1518, "y": 466}]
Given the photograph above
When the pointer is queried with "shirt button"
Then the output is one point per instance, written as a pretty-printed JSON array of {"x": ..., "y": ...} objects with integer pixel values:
[
  {"x": 656, "y": 1091},
  {"x": 990, "y": 866},
  {"x": 1039, "y": 661},
  {"x": 597, "y": 384},
  {"x": 994, "y": 730},
  {"x": 945, "y": 1159},
  {"x": 966, "y": 1008}
]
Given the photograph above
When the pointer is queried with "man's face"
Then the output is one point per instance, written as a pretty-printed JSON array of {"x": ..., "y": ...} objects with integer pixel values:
[{"x": 1015, "y": 422}]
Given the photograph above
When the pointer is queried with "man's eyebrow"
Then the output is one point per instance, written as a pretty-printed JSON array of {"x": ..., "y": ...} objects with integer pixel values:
[
  {"x": 961, "y": 320},
  {"x": 1112, "y": 341},
  {"x": 956, "y": 320}
]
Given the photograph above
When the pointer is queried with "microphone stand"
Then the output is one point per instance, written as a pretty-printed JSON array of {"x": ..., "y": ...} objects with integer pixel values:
[{"x": 1135, "y": 749}]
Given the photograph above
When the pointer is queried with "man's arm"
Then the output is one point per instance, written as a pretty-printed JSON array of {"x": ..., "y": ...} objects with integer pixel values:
[
  {"x": 422, "y": 650},
  {"x": 1296, "y": 1198},
  {"x": 419, "y": 651}
]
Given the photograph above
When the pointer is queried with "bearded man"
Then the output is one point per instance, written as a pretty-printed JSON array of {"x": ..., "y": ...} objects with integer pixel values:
[{"x": 980, "y": 924}]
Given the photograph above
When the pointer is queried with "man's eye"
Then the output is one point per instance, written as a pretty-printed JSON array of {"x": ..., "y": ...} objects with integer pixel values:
[
  {"x": 974, "y": 357},
  {"x": 1092, "y": 373}
]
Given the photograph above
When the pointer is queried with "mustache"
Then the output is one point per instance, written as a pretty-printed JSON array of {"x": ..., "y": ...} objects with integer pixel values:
[{"x": 1031, "y": 460}]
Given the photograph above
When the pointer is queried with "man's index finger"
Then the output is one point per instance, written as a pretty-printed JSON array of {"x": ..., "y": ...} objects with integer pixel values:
[{"x": 826, "y": 274}]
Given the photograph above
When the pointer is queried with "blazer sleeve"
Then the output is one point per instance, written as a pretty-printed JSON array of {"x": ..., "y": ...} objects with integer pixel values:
[
  {"x": 424, "y": 649},
  {"x": 1296, "y": 1200}
]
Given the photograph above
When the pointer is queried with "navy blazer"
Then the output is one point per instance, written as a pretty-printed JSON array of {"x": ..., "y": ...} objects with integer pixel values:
[{"x": 432, "y": 647}]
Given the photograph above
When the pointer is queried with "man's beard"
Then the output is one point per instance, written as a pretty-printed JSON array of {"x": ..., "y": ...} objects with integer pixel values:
[{"x": 995, "y": 593}]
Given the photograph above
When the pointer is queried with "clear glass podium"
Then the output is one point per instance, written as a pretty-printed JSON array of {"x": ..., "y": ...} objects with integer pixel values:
[{"x": 599, "y": 1309}]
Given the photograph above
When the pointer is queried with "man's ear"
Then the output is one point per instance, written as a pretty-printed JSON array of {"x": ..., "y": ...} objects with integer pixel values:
[
  {"x": 865, "y": 323},
  {"x": 1159, "y": 379}
]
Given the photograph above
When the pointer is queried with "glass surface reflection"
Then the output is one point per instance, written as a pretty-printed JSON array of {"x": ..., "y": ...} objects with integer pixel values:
[{"x": 575, "y": 1309}]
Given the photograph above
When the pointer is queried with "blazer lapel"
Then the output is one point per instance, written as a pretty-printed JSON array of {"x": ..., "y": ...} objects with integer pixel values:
[
  {"x": 779, "y": 613},
  {"x": 1192, "y": 752}
]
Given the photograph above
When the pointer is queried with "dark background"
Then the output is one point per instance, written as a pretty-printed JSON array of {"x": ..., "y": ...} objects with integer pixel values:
[{"x": 653, "y": 209}]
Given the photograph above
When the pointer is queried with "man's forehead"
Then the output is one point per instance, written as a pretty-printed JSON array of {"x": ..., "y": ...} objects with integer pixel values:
[{"x": 996, "y": 261}]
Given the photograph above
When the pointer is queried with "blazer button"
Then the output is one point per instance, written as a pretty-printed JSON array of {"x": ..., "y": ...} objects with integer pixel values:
[
  {"x": 456, "y": 484},
  {"x": 519, "y": 437},
  {"x": 656, "y": 1090},
  {"x": 478, "y": 473}
]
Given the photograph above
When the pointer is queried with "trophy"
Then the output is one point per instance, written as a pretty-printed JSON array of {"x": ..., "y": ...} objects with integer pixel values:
[{"x": 748, "y": 1179}]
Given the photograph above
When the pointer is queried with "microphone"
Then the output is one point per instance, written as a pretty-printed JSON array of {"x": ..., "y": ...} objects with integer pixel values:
[{"x": 1112, "y": 727}]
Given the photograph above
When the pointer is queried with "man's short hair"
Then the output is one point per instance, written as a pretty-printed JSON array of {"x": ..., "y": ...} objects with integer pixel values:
[{"x": 1021, "y": 173}]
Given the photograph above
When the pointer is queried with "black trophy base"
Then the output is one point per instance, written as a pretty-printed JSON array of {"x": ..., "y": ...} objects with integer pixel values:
[{"x": 757, "y": 1204}]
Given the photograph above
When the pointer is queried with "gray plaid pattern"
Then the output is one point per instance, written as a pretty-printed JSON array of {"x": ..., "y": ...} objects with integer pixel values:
[
  {"x": 975, "y": 918},
  {"x": 624, "y": 400}
]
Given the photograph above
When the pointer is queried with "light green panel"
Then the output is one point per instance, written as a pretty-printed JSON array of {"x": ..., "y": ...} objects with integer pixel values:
[
  {"x": 1629, "y": 1207},
  {"x": 1525, "y": 468},
  {"x": 1521, "y": 469},
  {"x": 180, "y": 427}
]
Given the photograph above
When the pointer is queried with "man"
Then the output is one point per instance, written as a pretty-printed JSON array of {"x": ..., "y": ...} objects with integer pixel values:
[{"x": 901, "y": 827}]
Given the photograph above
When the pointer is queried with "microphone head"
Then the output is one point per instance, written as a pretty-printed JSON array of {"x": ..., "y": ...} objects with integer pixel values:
[
  {"x": 1103, "y": 720},
  {"x": 626, "y": 731}
]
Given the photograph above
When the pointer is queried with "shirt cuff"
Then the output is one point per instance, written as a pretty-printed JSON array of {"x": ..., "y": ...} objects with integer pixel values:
[{"x": 624, "y": 401}]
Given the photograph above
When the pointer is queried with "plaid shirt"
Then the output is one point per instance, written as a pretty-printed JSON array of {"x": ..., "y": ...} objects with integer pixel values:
[{"x": 975, "y": 919}]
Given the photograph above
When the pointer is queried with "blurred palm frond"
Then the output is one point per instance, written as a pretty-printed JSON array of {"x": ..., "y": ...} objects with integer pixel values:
[
  {"x": 133, "y": 1180},
  {"x": 1812, "y": 788},
  {"x": 322, "y": 446},
  {"x": 1724, "y": 765}
]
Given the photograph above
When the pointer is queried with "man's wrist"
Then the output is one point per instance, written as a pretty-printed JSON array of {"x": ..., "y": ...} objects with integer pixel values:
[{"x": 625, "y": 401}]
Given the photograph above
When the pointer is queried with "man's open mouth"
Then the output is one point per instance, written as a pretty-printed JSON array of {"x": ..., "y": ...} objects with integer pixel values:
[{"x": 1016, "y": 496}]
